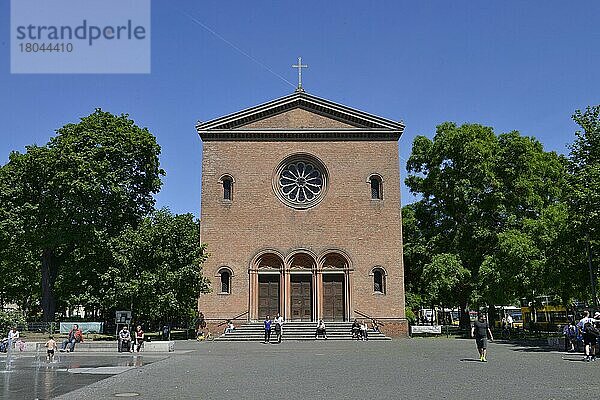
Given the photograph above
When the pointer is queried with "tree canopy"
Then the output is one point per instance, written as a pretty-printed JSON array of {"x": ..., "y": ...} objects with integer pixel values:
[
  {"x": 490, "y": 218},
  {"x": 88, "y": 182},
  {"x": 584, "y": 199},
  {"x": 156, "y": 268}
]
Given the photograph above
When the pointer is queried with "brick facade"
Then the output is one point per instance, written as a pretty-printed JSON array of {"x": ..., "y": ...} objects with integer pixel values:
[{"x": 347, "y": 224}]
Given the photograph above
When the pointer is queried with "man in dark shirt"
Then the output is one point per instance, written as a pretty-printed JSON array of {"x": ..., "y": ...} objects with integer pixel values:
[
  {"x": 268, "y": 323},
  {"x": 480, "y": 330}
]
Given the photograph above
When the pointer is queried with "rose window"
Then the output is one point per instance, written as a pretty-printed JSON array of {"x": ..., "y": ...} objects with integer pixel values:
[{"x": 300, "y": 181}]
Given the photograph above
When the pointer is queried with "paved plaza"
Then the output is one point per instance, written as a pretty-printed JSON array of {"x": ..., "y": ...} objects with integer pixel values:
[{"x": 410, "y": 368}]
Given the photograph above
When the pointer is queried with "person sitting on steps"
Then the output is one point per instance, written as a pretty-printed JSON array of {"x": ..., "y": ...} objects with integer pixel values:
[
  {"x": 363, "y": 331},
  {"x": 74, "y": 336},
  {"x": 321, "y": 330},
  {"x": 355, "y": 330},
  {"x": 375, "y": 325},
  {"x": 124, "y": 340},
  {"x": 230, "y": 327}
]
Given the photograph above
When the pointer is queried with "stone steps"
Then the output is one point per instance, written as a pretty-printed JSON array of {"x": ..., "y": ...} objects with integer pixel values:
[{"x": 254, "y": 332}]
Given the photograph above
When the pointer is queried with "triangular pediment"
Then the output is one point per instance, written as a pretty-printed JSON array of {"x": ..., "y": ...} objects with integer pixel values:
[
  {"x": 298, "y": 118},
  {"x": 297, "y": 112}
]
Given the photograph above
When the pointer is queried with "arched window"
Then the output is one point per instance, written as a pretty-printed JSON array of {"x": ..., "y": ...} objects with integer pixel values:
[
  {"x": 225, "y": 280},
  {"x": 378, "y": 280},
  {"x": 376, "y": 187},
  {"x": 227, "y": 186},
  {"x": 227, "y": 182}
]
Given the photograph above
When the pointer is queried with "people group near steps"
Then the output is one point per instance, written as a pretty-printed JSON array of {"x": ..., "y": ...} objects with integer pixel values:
[{"x": 360, "y": 329}]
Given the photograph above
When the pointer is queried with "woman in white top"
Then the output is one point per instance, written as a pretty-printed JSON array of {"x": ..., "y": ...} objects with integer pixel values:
[
  {"x": 278, "y": 327},
  {"x": 321, "y": 330},
  {"x": 230, "y": 327},
  {"x": 13, "y": 336},
  {"x": 363, "y": 330}
]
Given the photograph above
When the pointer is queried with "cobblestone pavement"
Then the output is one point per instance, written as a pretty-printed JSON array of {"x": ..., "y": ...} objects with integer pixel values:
[{"x": 423, "y": 368}]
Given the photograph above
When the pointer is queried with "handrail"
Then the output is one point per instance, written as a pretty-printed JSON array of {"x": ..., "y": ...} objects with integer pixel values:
[
  {"x": 367, "y": 316},
  {"x": 234, "y": 318}
]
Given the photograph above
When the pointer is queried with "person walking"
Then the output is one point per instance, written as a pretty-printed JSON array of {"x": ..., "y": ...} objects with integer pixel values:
[
  {"x": 570, "y": 333},
  {"x": 589, "y": 340},
  {"x": 480, "y": 331},
  {"x": 278, "y": 327},
  {"x": 50, "y": 349},
  {"x": 268, "y": 324}
]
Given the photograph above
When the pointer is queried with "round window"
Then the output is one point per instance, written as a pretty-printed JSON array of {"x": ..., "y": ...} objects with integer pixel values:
[{"x": 300, "y": 181}]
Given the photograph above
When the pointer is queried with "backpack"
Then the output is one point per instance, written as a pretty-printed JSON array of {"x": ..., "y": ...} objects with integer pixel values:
[{"x": 591, "y": 330}]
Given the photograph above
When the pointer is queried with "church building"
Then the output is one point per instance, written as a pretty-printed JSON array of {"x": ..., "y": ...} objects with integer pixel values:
[{"x": 301, "y": 214}]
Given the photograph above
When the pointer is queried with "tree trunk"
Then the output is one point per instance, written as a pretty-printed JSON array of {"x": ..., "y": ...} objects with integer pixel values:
[
  {"x": 465, "y": 320},
  {"x": 493, "y": 315},
  {"x": 49, "y": 274}
]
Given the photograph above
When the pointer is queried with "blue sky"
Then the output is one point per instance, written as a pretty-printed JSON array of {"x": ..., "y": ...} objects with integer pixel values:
[{"x": 512, "y": 65}]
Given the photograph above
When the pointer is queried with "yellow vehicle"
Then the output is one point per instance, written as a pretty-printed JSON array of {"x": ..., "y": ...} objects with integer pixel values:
[{"x": 546, "y": 317}]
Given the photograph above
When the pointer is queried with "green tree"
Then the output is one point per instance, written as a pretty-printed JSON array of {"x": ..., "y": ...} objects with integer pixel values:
[
  {"x": 87, "y": 183},
  {"x": 157, "y": 268},
  {"x": 584, "y": 169},
  {"x": 454, "y": 174},
  {"x": 531, "y": 216},
  {"x": 20, "y": 273},
  {"x": 8, "y": 319},
  {"x": 415, "y": 247},
  {"x": 445, "y": 277},
  {"x": 489, "y": 201}
]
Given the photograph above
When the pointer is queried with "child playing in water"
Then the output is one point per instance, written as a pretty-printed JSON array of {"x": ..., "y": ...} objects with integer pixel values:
[{"x": 51, "y": 346}]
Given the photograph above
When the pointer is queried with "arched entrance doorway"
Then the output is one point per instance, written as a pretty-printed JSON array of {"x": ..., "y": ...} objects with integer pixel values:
[
  {"x": 334, "y": 282},
  {"x": 266, "y": 286},
  {"x": 301, "y": 287}
]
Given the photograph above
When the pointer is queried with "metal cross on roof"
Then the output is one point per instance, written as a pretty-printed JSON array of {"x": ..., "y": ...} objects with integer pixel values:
[{"x": 299, "y": 66}]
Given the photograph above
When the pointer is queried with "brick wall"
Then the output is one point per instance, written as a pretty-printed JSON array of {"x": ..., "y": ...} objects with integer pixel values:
[
  {"x": 369, "y": 231},
  {"x": 395, "y": 329}
]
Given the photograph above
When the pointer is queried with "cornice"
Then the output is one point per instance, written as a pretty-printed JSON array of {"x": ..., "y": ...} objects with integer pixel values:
[
  {"x": 301, "y": 135},
  {"x": 234, "y": 123}
]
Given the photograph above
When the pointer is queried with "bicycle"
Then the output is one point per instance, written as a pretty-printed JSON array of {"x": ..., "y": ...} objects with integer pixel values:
[{"x": 512, "y": 333}]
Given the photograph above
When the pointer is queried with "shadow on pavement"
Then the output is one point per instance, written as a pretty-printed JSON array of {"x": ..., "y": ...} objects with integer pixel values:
[
  {"x": 580, "y": 359},
  {"x": 470, "y": 360},
  {"x": 528, "y": 346}
]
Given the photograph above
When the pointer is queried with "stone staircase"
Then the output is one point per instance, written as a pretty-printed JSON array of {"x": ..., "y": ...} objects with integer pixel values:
[{"x": 254, "y": 332}]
